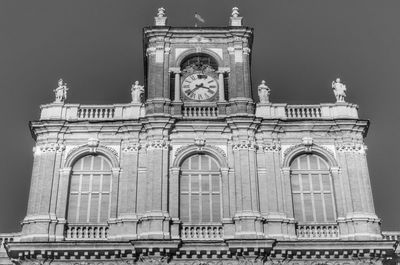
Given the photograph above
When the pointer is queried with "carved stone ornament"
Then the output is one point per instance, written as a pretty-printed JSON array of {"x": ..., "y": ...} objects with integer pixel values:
[
  {"x": 271, "y": 147},
  {"x": 351, "y": 147},
  {"x": 61, "y": 91},
  {"x": 49, "y": 147},
  {"x": 199, "y": 68},
  {"x": 307, "y": 142},
  {"x": 157, "y": 144},
  {"x": 263, "y": 92},
  {"x": 199, "y": 142},
  {"x": 244, "y": 145},
  {"x": 137, "y": 92},
  {"x": 308, "y": 148},
  {"x": 235, "y": 12},
  {"x": 339, "y": 89},
  {"x": 212, "y": 147},
  {"x": 133, "y": 147}
]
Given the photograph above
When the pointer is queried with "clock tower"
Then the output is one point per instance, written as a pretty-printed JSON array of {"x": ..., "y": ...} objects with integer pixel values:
[{"x": 191, "y": 67}]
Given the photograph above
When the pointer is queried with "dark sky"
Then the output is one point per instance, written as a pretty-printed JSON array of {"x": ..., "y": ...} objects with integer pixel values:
[{"x": 299, "y": 48}]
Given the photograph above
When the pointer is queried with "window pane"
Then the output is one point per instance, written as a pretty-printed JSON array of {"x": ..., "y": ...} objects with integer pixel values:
[
  {"x": 106, "y": 186},
  {"x": 205, "y": 208},
  {"x": 305, "y": 182},
  {"x": 295, "y": 182},
  {"x": 83, "y": 210},
  {"x": 194, "y": 163},
  {"x": 94, "y": 208},
  {"x": 87, "y": 162},
  {"x": 184, "y": 209},
  {"x": 96, "y": 183},
  {"x": 308, "y": 209},
  {"x": 97, "y": 163},
  {"x": 195, "y": 183},
  {"x": 326, "y": 182},
  {"x": 105, "y": 207},
  {"x": 313, "y": 162},
  {"x": 85, "y": 183},
  {"x": 298, "y": 208},
  {"x": 195, "y": 208},
  {"x": 315, "y": 182},
  {"x": 214, "y": 166},
  {"x": 205, "y": 163},
  {"x": 185, "y": 183},
  {"x": 319, "y": 210},
  {"x": 303, "y": 162},
  {"x": 72, "y": 207},
  {"x": 216, "y": 208},
  {"x": 205, "y": 183},
  {"x": 215, "y": 183},
  {"x": 75, "y": 179},
  {"x": 330, "y": 211}
]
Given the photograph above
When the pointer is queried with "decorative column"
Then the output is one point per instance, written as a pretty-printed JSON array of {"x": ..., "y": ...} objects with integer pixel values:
[
  {"x": 177, "y": 103},
  {"x": 62, "y": 202},
  {"x": 287, "y": 202},
  {"x": 174, "y": 202}
]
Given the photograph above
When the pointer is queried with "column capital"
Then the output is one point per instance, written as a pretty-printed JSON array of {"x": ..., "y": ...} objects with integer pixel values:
[
  {"x": 175, "y": 70},
  {"x": 222, "y": 70}
]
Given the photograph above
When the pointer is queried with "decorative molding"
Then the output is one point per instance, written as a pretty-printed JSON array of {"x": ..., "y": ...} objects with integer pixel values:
[
  {"x": 271, "y": 147},
  {"x": 244, "y": 144},
  {"x": 132, "y": 147},
  {"x": 49, "y": 148},
  {"x": 351, "y": 147},
  {"x": 157, "y": 145}
]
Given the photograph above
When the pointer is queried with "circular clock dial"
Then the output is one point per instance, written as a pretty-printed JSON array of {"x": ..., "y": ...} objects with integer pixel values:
[{"x": 199, "y": 87}]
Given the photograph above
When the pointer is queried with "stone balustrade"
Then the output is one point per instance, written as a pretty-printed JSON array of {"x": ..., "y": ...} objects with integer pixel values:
[
  {"x": 317, "y": 231},
  {"x": 202, "y": 232},
  {"x": 58, "y": 111},
  {"x": 391, "y": 235},
  {"x": 86, "y": 232},
  {"x": 72, "y": 112},
  {"x": 341, "y": 110},
  {"x": 8, "y": 237},
  {"x": 200, "y": 111}
]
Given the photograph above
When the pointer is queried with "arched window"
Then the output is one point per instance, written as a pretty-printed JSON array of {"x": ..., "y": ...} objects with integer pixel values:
[
  {"x": 312, "y": 190},
  {"x": 200, "y": 190},
  {"x": 199, "y": 60},
  {"x": 90, "y": 190}
]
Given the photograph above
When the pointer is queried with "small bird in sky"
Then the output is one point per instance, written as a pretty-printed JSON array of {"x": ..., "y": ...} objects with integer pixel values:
[{"x": 198, "y": 18}]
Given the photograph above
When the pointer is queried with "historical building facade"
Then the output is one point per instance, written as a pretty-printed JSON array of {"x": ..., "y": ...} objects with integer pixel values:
[{"x": 194, "y": 171}]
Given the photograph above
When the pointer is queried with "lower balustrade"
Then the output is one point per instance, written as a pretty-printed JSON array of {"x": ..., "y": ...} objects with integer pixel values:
[
  {"x": 202, "y": 232},
  {"x": 317, "y": 231},
  {"x": 86, "y": 232},
  {"x": 200, "y": 111}
]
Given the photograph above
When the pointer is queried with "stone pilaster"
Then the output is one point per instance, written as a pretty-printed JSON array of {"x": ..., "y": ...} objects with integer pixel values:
[
  {"x": 155, "y": 223},
  {"x": 359, "y": 221},
  {"x": 125, "y": 226},
  {"x": 40, "y": 222}
]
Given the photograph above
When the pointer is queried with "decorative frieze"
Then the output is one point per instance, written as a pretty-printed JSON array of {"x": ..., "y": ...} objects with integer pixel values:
[
  {"x": 351, "y": 147},
  {"x": 244, "y": 145},
  {"x": 132, "y": 147},
  {"x": 157, "y": 145},
  {"x": 271, "y": 147},
  {"x": 49, "y": 148}
]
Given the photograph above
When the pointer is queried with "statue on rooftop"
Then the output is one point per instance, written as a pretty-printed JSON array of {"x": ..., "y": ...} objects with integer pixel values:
[
  {"x": 137, "y": 92},
  {"x": 161, "y": 12},
  {"x": 339, "y": 89},
  {"x": 235, "y": 12},
  {"x": 263, "y": 92},
  {"x": 61, "y": 91}
]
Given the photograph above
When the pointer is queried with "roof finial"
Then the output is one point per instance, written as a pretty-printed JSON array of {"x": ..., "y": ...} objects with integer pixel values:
[
  {"x": 160, "y": 19},
  {"x": 235, "y": 20},
  {"x": 263, "y": 92}
]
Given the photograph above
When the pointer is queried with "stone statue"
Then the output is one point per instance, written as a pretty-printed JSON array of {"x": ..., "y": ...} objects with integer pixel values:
[
  {"x": 263, "y": 92},
  {"x": 235, "y": 12},
  {"x": 161, "y": 12},
  {"x": 137, "y": 92},
  {"x": 339, "y": 89},
  {"x": 61, "y": 91}
]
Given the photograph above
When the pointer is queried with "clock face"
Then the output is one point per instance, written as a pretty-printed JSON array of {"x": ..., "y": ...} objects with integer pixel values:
[{"x": 199, "y": 87}]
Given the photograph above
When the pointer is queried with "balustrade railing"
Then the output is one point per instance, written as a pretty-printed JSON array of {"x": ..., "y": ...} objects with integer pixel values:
[
  {"x": 317, "y": 231},
  {"x": 200, "y": 111},
  {"x": 391, "y": 235},
  {"x": 86, "y": 232},
  {"x": 96, "y": 112},
  {"x": 8, "y": 237},
  {"x": 303, "y": 111},
  {"x": 202, "y": 232}
]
